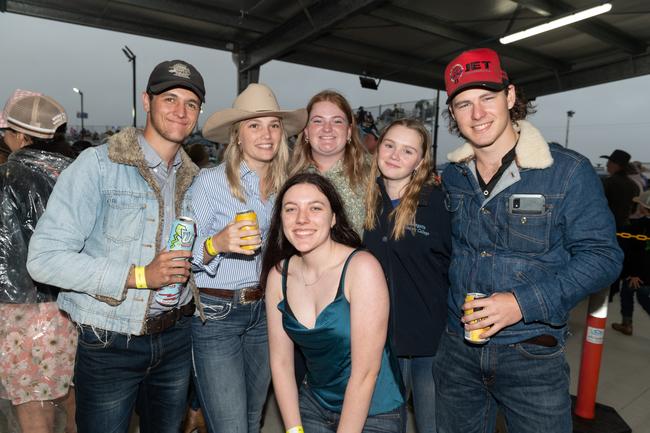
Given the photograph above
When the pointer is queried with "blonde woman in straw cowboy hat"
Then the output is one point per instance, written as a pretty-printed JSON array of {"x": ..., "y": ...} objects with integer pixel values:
[{"x": 230, "y": 349}]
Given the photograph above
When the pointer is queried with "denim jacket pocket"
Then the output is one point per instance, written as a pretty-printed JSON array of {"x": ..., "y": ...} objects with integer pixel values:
[
  {"x": 454, "y": 205},
  {"x": 124, "y": 216},
  {"x": 529, "y": 233}
]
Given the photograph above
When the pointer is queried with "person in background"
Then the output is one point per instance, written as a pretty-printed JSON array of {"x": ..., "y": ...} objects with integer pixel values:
[
  {"x": 408, "y": 229},
  {"x": 620, "y": 189},
  {"x": 230, "y": 350},
  {"x": 103, "y": 240},
  {"x": 37, "y": 340},
  {"x": 531, "y": 231},
  {"x": 330, "y": 145},
  {"x": 328, "y": 298},
  {"x": 636, "y": 277}
]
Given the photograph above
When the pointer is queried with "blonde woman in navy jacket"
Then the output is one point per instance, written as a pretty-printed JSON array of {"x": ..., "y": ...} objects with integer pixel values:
[{"x": 408, "y": 229}]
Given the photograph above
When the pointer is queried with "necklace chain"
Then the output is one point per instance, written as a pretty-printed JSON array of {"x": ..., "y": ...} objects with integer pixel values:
[{"x": 302, "y": 274}]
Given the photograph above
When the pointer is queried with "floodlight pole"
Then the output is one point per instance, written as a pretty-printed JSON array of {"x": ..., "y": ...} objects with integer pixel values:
[
  {"x": 129, "y": 55},
  {"x": 569, "y": 115},
  {"x": 81, "y": 94}
]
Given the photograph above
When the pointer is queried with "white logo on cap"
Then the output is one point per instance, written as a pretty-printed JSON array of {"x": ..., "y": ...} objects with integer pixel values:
[{"x": 180, "y": 70}]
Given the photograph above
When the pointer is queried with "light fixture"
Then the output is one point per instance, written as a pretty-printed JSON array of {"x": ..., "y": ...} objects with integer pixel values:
[
  {"x": 81, "y": 114},
  {"x": 560, "y": 22},
  {"x": 369, "y": 83}
]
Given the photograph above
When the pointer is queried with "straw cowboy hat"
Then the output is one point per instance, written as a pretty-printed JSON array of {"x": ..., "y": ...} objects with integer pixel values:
[{"x": 257, "y": 100}]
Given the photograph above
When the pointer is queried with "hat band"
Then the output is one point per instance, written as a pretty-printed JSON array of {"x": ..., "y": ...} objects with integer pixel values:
[{"x": 29, "y": 126}]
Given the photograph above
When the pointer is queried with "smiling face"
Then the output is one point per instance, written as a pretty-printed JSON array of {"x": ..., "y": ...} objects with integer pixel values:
[
  {"x": 171, "y": 115},
  {"x": 328, "y": 130},
  {"x": 482, "y": 116},
  {"x": 399, "y": 153},
  {"x": 307, "y": 217},
  {"x": 259, "y": 139}
]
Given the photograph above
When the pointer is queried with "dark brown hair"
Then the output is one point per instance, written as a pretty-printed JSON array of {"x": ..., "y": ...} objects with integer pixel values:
[
  {"x": 519, "y": 111},
  {"x": 278, "y": 248}
]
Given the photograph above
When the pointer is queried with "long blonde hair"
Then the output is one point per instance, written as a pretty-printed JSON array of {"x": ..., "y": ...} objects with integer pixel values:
[
  {"x": 404, "y": 213},
  {"x": 355, "y": 154},
  {"x": 277, "y": 172}
]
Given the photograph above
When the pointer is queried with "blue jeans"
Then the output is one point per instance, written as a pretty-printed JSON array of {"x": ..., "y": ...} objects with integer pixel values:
[
  {"x": 417, "y": 375},
  {"x": 529, "y": 383},
  {"x": 231, "y": 364},
  {"x": 316, "y": 419},
  {"x": 627, "y": 299},
  {"x": 115, "y": 372}
]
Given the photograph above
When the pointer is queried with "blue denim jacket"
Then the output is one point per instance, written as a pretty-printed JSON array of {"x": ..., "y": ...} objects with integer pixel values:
[
  {"x": 104, "y": 215},
  {"x": 549, "y": 261}
]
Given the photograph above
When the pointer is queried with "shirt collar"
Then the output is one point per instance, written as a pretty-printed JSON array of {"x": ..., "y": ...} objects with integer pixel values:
[{"x": 151, "y": 157}]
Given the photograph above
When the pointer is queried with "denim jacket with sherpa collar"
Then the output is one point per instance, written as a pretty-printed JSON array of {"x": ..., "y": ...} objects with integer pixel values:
[
  {"x": 104, "y": 215},
  {"x": 550, "y": 258}
]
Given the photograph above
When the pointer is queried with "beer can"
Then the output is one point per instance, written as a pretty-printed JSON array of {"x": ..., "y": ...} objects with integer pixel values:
[
  {"x": 473, "y": 335},
  {"x": 181, "y": 238},
  {"x": 248, "y": 215}
]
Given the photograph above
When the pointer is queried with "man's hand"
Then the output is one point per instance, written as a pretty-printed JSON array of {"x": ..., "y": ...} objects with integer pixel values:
[
  {"x": 168, "y": 267},
  {"x": 499, "y": 310},
  {"x": 634, "y": 282},
  {"x": 229, "y": 240}
]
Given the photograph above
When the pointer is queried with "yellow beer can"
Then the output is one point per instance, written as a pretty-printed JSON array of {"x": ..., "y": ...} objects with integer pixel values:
[
  {"x": 473, "y": 335},
  {"x": 248, "y": 215}
]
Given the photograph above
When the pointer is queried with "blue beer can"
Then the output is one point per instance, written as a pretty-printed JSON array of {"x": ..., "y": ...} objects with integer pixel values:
[{"x": 181, "y": 238}]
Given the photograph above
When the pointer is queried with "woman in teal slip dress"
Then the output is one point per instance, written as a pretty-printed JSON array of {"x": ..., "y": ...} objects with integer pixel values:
[{"x": 329, "y": 299}]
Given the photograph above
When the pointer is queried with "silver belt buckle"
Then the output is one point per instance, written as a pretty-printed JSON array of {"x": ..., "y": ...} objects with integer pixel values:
[{"x": 242, "y": 296}]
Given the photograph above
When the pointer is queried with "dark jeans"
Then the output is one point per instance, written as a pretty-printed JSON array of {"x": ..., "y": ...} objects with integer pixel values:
[
  {"x": 115, "y": 372},
  {"x": 528, "y": 382},
  {"x": 231, "y": 364},
  {"x": 627, "y": 299},
  {"x": 316, "y": 419},
  {"x": 417, "y": 375}
]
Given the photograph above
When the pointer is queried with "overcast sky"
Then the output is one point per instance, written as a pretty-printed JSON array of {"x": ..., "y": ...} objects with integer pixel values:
[{"x": 53, "y": 57}]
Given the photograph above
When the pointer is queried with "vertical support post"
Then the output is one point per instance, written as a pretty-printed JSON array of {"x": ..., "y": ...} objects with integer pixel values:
[{"x": 436, "y": 114}]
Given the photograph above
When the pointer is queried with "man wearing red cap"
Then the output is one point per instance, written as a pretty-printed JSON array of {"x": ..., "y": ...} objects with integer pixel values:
[{"x": 532, "y": 232}]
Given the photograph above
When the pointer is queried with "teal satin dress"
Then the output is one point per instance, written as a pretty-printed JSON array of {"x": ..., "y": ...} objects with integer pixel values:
[{"x": 327, "y": 351}]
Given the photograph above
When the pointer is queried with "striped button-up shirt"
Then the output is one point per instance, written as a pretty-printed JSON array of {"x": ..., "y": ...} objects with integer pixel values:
[{"x": 214, "y": 207}]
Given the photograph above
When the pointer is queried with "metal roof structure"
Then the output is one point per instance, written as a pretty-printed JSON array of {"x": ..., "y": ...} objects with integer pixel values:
[{"x": 399, "y": 40}]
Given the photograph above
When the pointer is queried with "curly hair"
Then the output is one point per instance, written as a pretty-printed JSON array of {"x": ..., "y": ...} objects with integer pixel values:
[{"x": 519, "y": 111}]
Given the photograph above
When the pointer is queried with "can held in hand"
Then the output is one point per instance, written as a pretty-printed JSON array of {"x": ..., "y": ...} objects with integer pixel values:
[
  {"x": 473, "y": 335},
  {"x": 181, "y": 238},
  {"x": 248, "y": 215}
]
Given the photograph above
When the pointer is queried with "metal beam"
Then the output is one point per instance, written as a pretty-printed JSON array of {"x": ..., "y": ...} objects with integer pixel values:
[
  {"x": 465, "y": 36},
  {"x": 212, "y": 15},
  {"x": 594, "y": 27},
  {"x": 618, "y": 70},
  {"x": 325, "y": 58},
  {"x": 298, "y": 29},
  {"x": 118, "y": 25}
]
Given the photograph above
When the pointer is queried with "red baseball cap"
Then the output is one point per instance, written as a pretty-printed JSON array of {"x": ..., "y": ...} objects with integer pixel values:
[{"x": 474, "y": 68}]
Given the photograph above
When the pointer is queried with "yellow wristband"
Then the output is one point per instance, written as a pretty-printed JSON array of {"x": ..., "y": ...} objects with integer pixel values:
[
  {"x": 209, "y": 247},
  {"x": 296, "y": 429},
  {"x": 140, "y": 279}
]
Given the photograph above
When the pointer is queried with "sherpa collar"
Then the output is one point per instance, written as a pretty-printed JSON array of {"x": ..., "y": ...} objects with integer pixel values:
[{"x": 532, "y": 150}]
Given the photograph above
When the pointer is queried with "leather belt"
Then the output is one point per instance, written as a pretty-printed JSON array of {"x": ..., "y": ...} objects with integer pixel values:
[
  {"x": 242, "y": 296},
  {"x": 157, "y": 324},
  {"x": 542, "y": 340}
]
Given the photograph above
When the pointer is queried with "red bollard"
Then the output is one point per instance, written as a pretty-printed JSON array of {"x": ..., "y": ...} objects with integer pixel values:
[{"x": 592, "y": 351}]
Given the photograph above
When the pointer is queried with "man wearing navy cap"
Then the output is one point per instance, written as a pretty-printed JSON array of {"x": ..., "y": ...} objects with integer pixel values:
[
  {"x": 531, "y": 230},
  {"x": 103, "y": 238}
]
